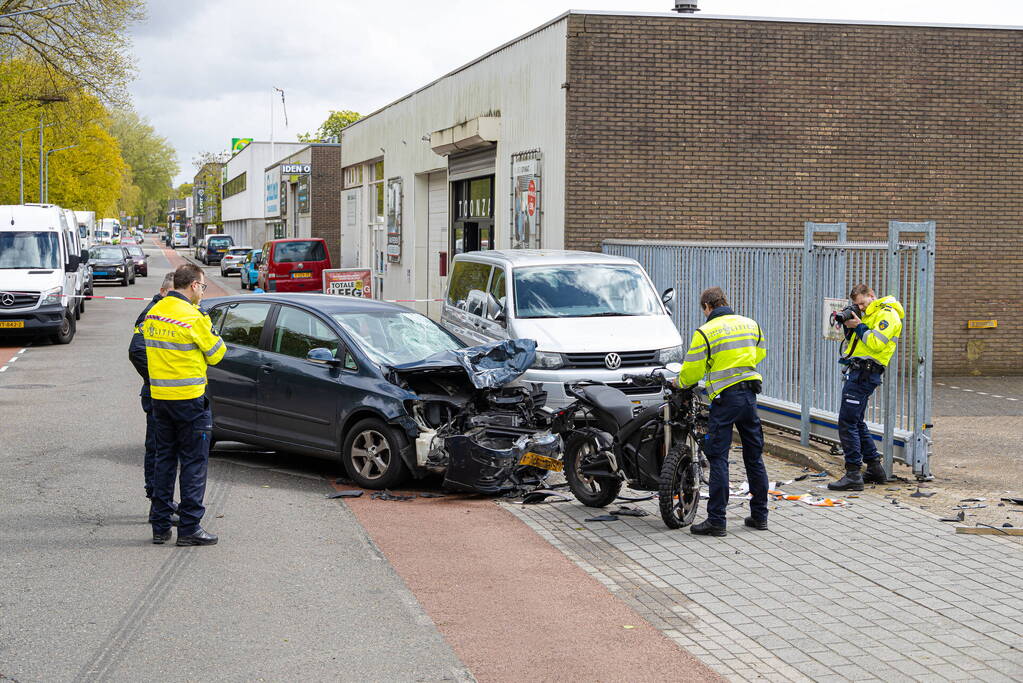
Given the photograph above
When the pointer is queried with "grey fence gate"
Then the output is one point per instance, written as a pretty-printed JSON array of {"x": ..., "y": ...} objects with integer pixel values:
[{"x": 784, "y": 286}]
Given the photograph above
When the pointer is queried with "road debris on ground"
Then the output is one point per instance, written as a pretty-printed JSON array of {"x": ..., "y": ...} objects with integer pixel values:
[{"x": 346, "y": 494}]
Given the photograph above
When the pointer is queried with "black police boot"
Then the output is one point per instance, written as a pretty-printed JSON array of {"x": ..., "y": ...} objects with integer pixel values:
[
  {"x": 705, "y": 528},
  {"x": 200, "y": 537},
  {"x": 161, "y": 537},
  {"x": 875, "y": 473},
  {"x": 758, "y": 524},
  {"x": 852, "y": 481}
]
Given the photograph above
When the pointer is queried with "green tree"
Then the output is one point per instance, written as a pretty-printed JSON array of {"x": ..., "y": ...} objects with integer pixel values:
[
  {"x": 183, "y": 190},
  {"x": 152, "y": 160},
  {"x": 80, "y": 47},
  {"x": 331, "y": 128}
]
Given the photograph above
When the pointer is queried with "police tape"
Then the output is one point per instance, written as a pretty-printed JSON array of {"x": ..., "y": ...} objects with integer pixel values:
[{"x": 143, "y": 298}]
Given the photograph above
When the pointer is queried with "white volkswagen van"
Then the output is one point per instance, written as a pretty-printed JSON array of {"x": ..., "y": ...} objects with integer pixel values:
[
  {"x": 38, "y": 273},
  {"x": 593, "y": 316}
]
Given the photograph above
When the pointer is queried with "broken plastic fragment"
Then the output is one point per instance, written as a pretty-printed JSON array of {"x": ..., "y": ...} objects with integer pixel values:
[
  {"x": 958, "y": 518},
  {"x": 544, "y": 496},
  {"x": 625, "y": 511},
  {"x": 345, "y": 494},
  {"x": 603, "y": 518},
  {"x": 922, "y": 494},
  {"x": 387, "y": 495}
]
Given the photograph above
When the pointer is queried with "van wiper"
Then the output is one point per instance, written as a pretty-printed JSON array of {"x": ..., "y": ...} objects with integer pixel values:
[{"x": 606, "y": 314}]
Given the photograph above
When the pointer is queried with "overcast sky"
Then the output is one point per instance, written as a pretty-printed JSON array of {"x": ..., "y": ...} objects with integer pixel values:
[{"x": 206, "y": 67}]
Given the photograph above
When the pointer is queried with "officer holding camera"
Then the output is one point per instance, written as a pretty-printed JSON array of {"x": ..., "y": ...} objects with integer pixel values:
[{"x": 869, "y": 346}]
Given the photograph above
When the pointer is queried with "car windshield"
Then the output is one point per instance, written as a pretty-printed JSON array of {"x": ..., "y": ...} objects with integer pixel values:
[
  {"x": 106, "y": 253},
  {"x": 136, "y": 251},
  {"x": 583, "y": 291},
  {"x": 29, "y": 250},
  {"x": 293, "y": 252},
  {"x": 396, "y": 337}
]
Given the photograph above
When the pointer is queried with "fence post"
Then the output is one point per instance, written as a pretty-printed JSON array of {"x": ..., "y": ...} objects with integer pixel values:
[
  {"x": 919, "y": 452},
  {"x": 809, "y": 321}
]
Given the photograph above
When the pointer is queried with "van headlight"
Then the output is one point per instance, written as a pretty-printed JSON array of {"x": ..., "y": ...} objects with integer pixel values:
[
  {"x": 548, "y": 361},
  {"x": 52, "y": 296},
  {"x": 672, "y": 354}
]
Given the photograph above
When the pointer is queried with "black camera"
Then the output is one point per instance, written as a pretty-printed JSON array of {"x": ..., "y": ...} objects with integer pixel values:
[{"x": 839, "y": 318}]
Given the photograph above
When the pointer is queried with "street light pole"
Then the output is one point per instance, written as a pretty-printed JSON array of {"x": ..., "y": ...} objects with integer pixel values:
[
  {"x": 48, "y": 153},
  {"x": 41, "y": 9},
  {"x": 21, "y": 161},
  {"x": 40, "y": 157}
]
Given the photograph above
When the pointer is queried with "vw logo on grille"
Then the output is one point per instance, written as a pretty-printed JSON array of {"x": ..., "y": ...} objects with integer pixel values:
[
  {"x": 7, "y": 299},
  {"x": 613, "y": 361}
]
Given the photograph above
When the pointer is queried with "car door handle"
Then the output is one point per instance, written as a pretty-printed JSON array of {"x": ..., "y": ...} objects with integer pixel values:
[{"x": 267, "y": 368}]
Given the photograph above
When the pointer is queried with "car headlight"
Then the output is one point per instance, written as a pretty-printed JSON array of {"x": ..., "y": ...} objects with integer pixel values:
[
  {"x": 120, "y": 267},
  {"x": 548, "y": 361},
  {"x": 672, "y": 354},
  {"x": 52, "y": 296}
]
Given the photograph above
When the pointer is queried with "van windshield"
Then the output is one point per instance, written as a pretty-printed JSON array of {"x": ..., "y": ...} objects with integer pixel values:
[
  {"x": 583, "y": 291},
  {"x": 293, "y": 252},
  {"x": 29, "y": 250}
]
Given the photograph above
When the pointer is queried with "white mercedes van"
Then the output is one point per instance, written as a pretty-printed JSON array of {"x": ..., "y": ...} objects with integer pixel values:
[
  {"x": 593, "y": 316},
  {"x": 38, "y": 273}
]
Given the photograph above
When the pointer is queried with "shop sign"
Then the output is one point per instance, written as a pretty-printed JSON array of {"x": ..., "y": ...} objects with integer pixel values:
[
  {"x": 290, "y": 169},
  {"x": 273, "y": 193},
  {"x": 474, "y": 208},
  {"x": 238, "y": 144},
  {"x": 302, "y": 194},
  {"x": 526, "y": 204},
  {"x": 394, "y": 196},
  {"x": 348, "y": 282}
]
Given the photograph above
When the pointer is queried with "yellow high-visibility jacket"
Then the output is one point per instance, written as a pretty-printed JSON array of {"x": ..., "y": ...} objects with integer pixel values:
[
  {"x": 725, "y": 350},
  {"x": 180, "y": 343},
  {"x": 875, "y": 336}
]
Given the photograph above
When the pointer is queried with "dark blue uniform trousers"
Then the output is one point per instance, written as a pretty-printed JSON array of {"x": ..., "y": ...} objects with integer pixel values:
[
  {"x": 183, "y": 430},
  {"x": 857, "y": 444},
  {"x": 737, "y": 407},
  {"x": 149, "y": 465}
]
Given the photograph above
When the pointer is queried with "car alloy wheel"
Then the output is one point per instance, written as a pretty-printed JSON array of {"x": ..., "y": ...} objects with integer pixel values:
[{"x": 371, "y": 454}]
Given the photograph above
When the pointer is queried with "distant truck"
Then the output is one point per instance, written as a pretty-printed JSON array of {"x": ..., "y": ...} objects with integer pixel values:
[
  {"x": 86, "y": 224},
  {"x": 108, "y": 232}
]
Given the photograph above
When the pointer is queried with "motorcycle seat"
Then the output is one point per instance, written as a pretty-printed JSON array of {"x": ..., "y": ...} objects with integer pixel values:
[{"x": 610, "y": 401}]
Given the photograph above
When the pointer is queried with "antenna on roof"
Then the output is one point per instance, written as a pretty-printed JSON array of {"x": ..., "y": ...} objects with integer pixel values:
[{"x": 683, "y": 7}]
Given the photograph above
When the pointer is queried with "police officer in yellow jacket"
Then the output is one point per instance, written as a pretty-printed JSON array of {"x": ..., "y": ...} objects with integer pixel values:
[
  {"x": 180, "y": 344},
  {"x": 725, "y": 351},
  {"x": 869, "y": 347}
]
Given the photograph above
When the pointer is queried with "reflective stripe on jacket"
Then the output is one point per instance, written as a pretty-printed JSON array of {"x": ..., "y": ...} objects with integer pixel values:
[
  {"x": 875, "y": 336},
  {"x": 725, "y": 350},
  {"x": 180, "y": 343}
]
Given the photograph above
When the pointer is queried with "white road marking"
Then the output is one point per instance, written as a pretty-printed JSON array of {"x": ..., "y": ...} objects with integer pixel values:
[
  {"x": 3, "y": 369},
  {"x": 969, "y": 390},
  {"x": 982, "y": 393},
  {"x": 951, "y": 387},
  {"x": 974, "y": 391}
]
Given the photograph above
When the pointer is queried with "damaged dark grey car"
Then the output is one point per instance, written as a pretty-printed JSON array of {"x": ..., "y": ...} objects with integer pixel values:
[{"x": 380, "y": 386}]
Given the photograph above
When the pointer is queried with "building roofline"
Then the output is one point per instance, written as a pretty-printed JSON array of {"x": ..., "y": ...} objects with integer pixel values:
[{"x": 671, "y": 15}]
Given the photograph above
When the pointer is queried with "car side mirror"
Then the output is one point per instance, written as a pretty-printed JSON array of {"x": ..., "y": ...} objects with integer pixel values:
[
  {"x": 73, "y": 261},
  {"x": 324, "y": 356},
  {"x": 668, "y": 296},
  {"x": 85, "y": 255}
]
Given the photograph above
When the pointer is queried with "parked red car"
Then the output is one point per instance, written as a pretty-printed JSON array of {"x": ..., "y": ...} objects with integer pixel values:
[{"x": 293, "y": 265}]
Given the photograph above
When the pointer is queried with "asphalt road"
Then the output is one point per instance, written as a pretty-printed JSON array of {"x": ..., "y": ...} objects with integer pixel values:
[{"x": 295, "y": 589}]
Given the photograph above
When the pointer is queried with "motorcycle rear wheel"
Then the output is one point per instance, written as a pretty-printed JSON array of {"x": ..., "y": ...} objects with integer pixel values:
[
  {"x": 679, "y": 495},
  {"x": 594, "y": 492}
]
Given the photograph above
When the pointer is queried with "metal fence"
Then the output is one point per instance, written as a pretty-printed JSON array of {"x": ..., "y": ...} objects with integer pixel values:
[{"x": 783, "y": 285}]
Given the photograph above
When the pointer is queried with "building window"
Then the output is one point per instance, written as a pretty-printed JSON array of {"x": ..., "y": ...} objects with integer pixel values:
[
  {"x": 472, "y": 226},
  {"x": 234, "y": 185},
  {"x": 376, "y": 189},
  {"x": 353, "y": 176}
]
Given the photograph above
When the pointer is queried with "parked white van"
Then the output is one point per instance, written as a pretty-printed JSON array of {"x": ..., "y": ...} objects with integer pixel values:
[
  {"x": 593, "y": 316},
  {"x": 38, "y": 273}
]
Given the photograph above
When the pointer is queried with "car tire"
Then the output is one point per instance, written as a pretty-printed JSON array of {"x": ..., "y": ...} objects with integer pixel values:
[
  {"x": 67, "y": 330},
  {"x": 242, "y": 283},
  {"x": 124, "y": 280},
  {"x": 594, "y": 492},
  {"x": 372, "y": 454},
  {"x": 133, "y": 277}
]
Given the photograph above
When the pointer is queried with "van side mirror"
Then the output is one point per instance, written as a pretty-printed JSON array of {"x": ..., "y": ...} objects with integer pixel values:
[
  {"x": 85, "y": 256},
  {"x": 73, "y": 262},
  {"x": 668, "y": 296},
  {"x": 324, "y": 356}
]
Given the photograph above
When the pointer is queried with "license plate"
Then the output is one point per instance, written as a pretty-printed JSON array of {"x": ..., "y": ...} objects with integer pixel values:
[
  {"x": 542, "y": 461},
  {"x": 221, "y": 251},
  {"x": 100, "y": 272},
  {"x": 301, "y": 275},
  {"x": 12, "y": 323}
]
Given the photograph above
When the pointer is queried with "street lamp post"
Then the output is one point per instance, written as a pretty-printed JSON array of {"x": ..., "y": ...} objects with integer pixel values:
[
  {"x": 41, "y": 9},
  {"x": 48, "y": 153},
  {"x": 21, "y": 161}
]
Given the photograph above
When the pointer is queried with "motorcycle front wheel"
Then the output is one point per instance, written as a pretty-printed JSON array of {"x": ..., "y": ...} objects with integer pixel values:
[
  {"x": 594, "y": 492},
  {"x": 679, "y": 495}
]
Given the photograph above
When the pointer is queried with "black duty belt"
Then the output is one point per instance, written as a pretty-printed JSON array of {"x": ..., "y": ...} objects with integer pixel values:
[
  {"x": 753, "y": 385},
  {"x": 866, "y": 364}
]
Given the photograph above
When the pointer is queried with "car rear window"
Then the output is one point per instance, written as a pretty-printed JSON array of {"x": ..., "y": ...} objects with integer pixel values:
[
  {"x": 238, "y": 252},
  {"x": 219, "y": 242},
  {"x": 293, "y": 252}
]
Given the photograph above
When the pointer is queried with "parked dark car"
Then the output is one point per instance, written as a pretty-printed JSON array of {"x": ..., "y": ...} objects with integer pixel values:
[
  {"x": 140, "y": 258},
  {"x": 112, "y": 262},
  {"x": 381, "y": 386}
]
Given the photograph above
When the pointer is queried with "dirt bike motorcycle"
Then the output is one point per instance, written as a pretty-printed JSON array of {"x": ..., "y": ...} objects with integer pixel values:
[{"x": 658, "y": 449}]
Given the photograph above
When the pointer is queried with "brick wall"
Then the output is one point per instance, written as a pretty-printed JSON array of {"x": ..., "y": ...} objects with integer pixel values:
[
  {"x": 325, "y": 189},
  {"x": 682, "y": 128}
]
